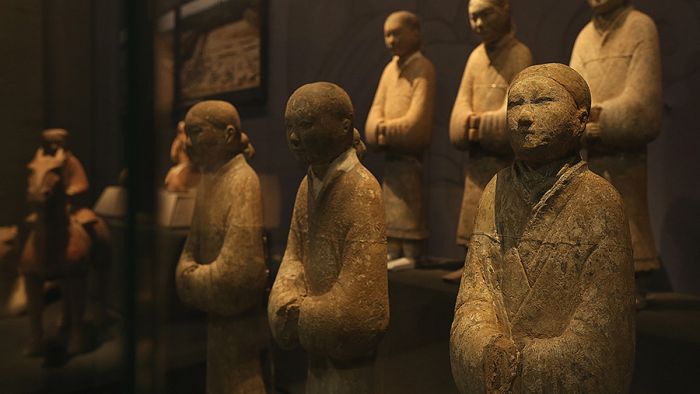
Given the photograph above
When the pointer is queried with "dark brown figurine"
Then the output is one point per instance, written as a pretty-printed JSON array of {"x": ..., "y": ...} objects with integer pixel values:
[
  {"x": 546, "y": 303},
  {"x": 477, "y": 124},
  {"x": 330, "y": 295},
  {"x": 400, "y": 123},
  {"x": 65, "y": 240},
  {"x": 222, "y": 268},
  {"x": 619, "y": 56}
]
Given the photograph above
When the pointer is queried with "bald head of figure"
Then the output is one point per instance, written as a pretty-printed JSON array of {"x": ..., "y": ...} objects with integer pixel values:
[
  {"x": 53, "y": 140},
  {"x": 213, "y": 131},
  {"x": 402, "y": 33},
  {"x": 490, "y": 19},
  {"x": 548, "y": 107},
  {"x": 319, "y": 123}
]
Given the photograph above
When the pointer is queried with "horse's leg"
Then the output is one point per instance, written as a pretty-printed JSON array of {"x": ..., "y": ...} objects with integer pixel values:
[
  {"x": 17, "y": 303},
  {"x": 75, "y": 288},
  {"x": 34, "y": 286}
]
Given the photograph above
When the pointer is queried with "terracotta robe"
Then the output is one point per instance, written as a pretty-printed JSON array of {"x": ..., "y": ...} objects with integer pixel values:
[
  {"x": 404, "y": 101},
  {"x": 483, "y": 90},
  {"x": 331, "y": 292},
  {"x": 549, "y": 266},
  {"x": 622, "y": 65},
  {"x": 222, "y": 271}
]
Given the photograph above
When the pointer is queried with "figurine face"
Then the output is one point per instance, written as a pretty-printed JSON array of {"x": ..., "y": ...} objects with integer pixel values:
[
  {"x": 51, "y": 146},
  {"x": 488, "y": 20},
  {"x": 400, "y": 38},
  {"x": 208, "y": 146},
  {"x": 604, "y": 6},
  {"x": 314, "y": 136},
  {"x": 544, "y": 122},
  {"x": 44, "y": 175}
]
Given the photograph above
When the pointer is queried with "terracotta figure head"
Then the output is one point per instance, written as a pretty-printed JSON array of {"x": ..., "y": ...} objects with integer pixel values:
[
  {"x": 490, "y": 19},
  {"x": 213, "y": 134},
  {"x": 548, "y": 107},
  {"x": 402, "y": 33},
  {"x": 319, "y": 121},
  {"x": 53, "y": 139}
]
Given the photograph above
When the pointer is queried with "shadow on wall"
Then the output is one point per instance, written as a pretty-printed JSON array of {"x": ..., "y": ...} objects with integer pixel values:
[{"x": 680, "y": 244}]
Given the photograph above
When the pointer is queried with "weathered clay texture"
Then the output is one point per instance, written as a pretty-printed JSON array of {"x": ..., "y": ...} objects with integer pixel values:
[
  {"x": 330, "y": 295},
  {"x": 546, "y": 301},
  {"x": 400, "y": 123},
  {"x": 481, "y": 103},
  {"x": 222, "y": 268},
  {"x": 183, "y": 175},
  {"x": 618, "y": 54}
]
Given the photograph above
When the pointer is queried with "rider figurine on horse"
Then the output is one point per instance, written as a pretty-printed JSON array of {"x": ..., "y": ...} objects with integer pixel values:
[{"x": 65, "y": 240}]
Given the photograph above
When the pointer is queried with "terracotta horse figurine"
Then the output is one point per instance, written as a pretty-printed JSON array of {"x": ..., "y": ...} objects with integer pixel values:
[{"x": 62, "y": 246}]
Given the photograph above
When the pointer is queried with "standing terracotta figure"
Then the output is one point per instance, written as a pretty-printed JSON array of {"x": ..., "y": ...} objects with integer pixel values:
[
  {"x": 546, "y": 303},
  {"x": 331, "y": 292},
  {"x": 184, "y": 175},
  {"x": 222, "y": 269},
  {"x": 478, "y": 117},
  {"x": 618, "y": 54},
  {"x": 400, "y": 123}
]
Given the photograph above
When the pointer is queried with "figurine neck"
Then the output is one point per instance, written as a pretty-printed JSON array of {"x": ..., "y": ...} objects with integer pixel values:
[
  {"x": 604, "y": 20},
  {"x": 406, "y": 56}
]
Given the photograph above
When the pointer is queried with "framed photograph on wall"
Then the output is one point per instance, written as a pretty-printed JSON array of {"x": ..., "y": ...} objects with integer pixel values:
[{"x": 220, "y": 48}]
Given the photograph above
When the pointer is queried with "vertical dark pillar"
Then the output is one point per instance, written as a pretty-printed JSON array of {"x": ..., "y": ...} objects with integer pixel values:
[{"x": 139, "y": 152}]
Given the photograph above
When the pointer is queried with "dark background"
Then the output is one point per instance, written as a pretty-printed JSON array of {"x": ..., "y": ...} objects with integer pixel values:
[{"x": 62, "y": 66}]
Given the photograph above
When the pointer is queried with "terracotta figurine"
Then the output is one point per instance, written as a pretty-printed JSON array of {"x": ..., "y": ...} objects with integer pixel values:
[
  {"x": 331, "y": 292},
  {"x": 400, "y": 124},
  {"x": 477, "y": 124},
  {"x": 618, "y": 54},
  {"x": 547, "y": 298},
  {"x": 183, "y": 175},
  {"x": 65, "y": 240},
  {"x": 222, "y": 270}
]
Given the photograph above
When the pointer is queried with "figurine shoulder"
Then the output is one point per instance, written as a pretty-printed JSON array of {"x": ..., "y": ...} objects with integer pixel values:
[
  {"x": 478, "y": 55},
  {"x": 364, "y": 182},
  {"x": 641, "y": 25},
  {"x": 520, "y": 53},
  {"x": 598, "y": 195},
  {"x": 425, "y": 65}
]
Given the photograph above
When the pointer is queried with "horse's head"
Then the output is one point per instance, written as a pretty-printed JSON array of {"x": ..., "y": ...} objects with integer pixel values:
[{"x": 45, "y": 179}]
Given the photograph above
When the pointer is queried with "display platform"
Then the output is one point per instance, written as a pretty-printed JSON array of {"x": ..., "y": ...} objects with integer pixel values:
[
  {"x": 412, "y": 358},
  {"x": 414, "y": 355}
]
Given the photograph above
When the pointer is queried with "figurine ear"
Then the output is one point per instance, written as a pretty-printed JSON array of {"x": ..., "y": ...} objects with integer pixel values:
[
  {"x": 347, "y": 126},
  {"x": 583, "y": 119},
  {"x": 232, "y": 134}
]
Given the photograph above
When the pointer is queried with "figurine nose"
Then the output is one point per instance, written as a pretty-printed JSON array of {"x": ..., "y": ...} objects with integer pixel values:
[
  {"x": 294, "y": 139},
  {"x": 525, "y": 119}
]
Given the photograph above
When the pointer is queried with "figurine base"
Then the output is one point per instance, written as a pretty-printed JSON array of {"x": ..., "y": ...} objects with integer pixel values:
[
  {"x": 175, "y": 209},
  {"x": 402, "y": 263}
]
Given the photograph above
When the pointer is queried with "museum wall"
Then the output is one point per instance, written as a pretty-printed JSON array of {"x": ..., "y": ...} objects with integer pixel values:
[
  {"x": 59, "y": 70},
  {"x": 21, "y": 83},
  {"x": 341, "y": 41}
]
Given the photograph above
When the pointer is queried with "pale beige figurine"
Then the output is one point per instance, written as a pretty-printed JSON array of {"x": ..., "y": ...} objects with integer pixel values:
[
  {"x": 546, "y": 303},
  {"x": 222, "y": 269},
  {"x": 477, "y": 124},
  {"x": 400, "y": 123},
  {"x": 618, "y": 54},
  {"x": 184, "y": 175},
  {"x": 331, "y": 292}
]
